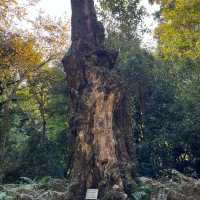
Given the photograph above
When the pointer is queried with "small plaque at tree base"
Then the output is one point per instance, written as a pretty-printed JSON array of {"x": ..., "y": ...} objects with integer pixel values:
[{"x": 92, "y": 194}]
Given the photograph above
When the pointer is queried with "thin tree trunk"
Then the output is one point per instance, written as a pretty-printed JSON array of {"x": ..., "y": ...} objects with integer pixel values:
[
  {"x": 4, "y": 128},
  {"x": 101, "y": 128},
  {"x": 43, "y": 124}
]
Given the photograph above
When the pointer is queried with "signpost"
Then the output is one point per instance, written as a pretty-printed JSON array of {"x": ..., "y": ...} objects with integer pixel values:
[{"x": 92, "y": 194}]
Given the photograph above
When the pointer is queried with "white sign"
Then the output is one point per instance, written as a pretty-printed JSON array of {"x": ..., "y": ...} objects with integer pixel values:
[{"x": 92, "y": 194}]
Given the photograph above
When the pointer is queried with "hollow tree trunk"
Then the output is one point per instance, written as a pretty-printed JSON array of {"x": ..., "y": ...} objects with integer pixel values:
[{"x": 103, "y": 150}]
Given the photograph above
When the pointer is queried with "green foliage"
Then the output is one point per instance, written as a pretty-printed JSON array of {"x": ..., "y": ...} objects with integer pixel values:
[
  {"x": 179, "y": 32},
  {"x": 44, "y": 153},
  {"x": 32, "y": 149},
  {"x": 165, "y": 99},
  {"x": 122, "y": 16},
  {"x": 170, "y": 123},
  {"x": 3, "y": 196},
  {"x": 142, "y": 193},
  {"x": 26, "y": 180}
]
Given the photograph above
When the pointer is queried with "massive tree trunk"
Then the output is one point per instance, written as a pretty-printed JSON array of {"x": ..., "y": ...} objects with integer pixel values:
[{"x": 101, "y": 128}]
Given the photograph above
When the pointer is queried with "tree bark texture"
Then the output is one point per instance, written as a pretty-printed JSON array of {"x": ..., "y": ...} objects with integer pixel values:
[{"x": 101, "y": 128}]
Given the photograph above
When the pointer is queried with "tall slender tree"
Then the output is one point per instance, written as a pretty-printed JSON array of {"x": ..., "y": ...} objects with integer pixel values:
[{"x": 101, "y": 128}]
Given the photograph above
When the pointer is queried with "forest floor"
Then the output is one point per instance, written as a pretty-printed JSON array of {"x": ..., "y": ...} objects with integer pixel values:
[
  {"x": 27, "y": 189},
  {"x": 176, "y": 187}
]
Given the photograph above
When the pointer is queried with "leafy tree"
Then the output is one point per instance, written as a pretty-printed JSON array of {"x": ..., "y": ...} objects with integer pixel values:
[
  {"x": 29, "y": 150},
  {"x": 122, "y": 17},
  {"x": 22, "y": 56},
  {"x": 13, "y": 10},
  {"x": 179, "y": 32},
  {"x": 15, "y": 54}
]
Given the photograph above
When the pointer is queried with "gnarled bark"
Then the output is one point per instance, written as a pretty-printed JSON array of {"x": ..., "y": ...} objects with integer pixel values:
[{"x": 103, "y": 155}]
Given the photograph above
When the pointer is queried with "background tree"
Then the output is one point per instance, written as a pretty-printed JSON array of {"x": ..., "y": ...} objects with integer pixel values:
[
  {"x": 174, "y": 81},
  {"x": 22, "y": 56},
  {"x": 159, "y": 91},
  {"x": 179, "y": 32},
  {"x": 122, "y": 18}
]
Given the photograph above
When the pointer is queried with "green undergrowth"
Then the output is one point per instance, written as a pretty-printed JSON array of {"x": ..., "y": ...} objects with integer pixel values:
[
  {"x": 142, "y": 193},
  {"x": 46, "y": 188}
]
